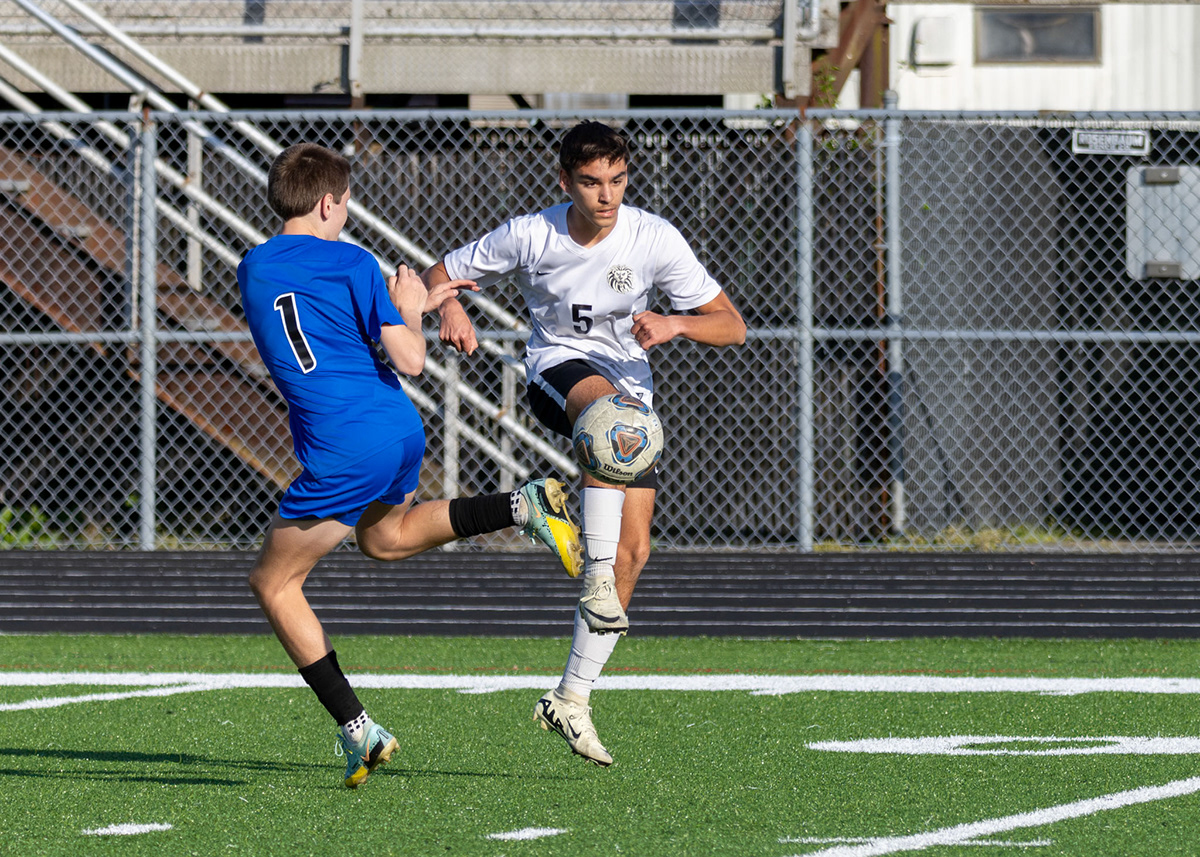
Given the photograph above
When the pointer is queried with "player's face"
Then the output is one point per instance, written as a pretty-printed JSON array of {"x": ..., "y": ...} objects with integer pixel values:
[{"x": 596, "y": 190}]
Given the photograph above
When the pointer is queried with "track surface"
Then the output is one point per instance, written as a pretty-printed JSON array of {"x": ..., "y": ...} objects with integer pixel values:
[{"x": 524, "y": 594}]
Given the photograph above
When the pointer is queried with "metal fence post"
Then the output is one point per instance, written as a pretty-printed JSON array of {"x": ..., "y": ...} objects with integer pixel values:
[
  {"x": 354, "y": 54},
  {"x": 508, "y": 401},
  {"x": 805, "y": 515},
  {"x": 195, "y": 167},
  {"x": 148, "y": 303},
  {"x": 895, "y": 315},
  {"x": 452, "y": 427}
]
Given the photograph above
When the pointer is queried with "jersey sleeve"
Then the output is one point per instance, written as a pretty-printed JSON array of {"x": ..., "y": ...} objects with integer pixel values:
[
  {"x": 487, "y": 259},
  {"x": 372, "y": 303},
  {"x": 679, "y": 274}
]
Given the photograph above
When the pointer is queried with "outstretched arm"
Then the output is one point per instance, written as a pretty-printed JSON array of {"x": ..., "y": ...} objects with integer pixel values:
[
  {"x": 405, "y": 343},
  {"x": 455, "y": 328},
  {"x": 715, "y": 323}
]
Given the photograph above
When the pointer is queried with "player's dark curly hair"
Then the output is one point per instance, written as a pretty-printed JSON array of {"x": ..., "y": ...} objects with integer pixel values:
[
  {"x": 301, "y": 175},
  {"x": 590, "y": 141}
]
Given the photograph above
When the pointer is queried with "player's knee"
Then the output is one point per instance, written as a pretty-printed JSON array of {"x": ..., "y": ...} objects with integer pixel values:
[
  {"x": 255, "y": 580},
  {"x": 373, "y": 551},
  {"x": 634, "y": 554},
  {"x": 266, "y": 587},
  {"x": 382, "y": 552}
]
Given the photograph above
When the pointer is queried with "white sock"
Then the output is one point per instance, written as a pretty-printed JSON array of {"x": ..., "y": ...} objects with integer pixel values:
[
  {"x": 601, "y": 511},
  {"x": 357, "y": 728},
  {"x": 589, "y": 653}
]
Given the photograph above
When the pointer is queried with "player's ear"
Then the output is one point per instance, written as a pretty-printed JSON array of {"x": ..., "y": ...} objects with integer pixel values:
[{"x": 564, "y": 179}]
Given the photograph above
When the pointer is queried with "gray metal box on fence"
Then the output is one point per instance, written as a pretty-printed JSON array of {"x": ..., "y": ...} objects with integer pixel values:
[{"x": 1162, "y": 211}]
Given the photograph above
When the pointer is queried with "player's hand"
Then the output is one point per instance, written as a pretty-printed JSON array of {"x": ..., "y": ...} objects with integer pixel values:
[
  {"x": 650, "y": 329},
  {"x": 408, "y": 294},
  {"x": 447, "y": 291},
  {"x": 456, "y": 329}
]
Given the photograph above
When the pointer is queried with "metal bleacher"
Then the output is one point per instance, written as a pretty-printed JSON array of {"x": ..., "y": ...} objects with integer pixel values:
[
  {"x": 56, "y": 255},
  {"x": 447, "y": 46}
]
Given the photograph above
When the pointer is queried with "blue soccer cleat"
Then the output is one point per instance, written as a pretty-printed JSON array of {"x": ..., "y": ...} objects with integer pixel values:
[{"x": 374, "y": 751}]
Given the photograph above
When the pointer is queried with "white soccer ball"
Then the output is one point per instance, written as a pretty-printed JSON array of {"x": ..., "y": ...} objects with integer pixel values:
[{"x": 617, "y": 439}]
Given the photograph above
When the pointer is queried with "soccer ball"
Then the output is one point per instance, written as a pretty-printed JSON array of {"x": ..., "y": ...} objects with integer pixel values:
[{"x": 617, "y": 439}]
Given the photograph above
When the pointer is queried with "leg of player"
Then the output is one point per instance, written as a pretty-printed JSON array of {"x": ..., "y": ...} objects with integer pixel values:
[
  {"x": 601, "y": 506},
  {"x": 539, "y": 508},
  {"x": 566, "y": 709},
  {"x": 290, "y": 550},
  {"x": 634, "y": 549}
]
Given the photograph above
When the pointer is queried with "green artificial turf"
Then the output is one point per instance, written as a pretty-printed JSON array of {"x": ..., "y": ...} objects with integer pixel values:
[{"x": 713, "y": 772}]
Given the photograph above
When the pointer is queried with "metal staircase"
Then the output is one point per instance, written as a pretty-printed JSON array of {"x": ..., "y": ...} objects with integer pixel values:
[
  {"x": 219, "y": 386},
  {"x": 67, "y": 276}
]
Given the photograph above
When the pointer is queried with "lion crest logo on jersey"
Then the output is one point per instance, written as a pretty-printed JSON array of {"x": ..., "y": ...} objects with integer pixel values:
[{"x": 620, "y": 279}]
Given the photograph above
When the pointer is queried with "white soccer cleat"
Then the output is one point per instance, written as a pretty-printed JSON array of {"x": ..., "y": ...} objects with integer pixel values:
[
  {"x": 600, "y": 607},
  {"x": 572, "y": 719}
]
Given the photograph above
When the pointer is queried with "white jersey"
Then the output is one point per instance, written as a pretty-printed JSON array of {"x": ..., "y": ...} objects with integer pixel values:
[{"x": 581, "y": 300}]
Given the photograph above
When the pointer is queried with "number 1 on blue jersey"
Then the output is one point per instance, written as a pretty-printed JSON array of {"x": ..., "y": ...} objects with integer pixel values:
[{"x": 286, "y": 304}]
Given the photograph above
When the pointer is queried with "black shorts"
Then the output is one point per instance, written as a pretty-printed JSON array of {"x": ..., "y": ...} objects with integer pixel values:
[{"x": 547, "y": 396}]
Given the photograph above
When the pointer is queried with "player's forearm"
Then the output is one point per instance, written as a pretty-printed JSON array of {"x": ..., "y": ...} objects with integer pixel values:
[
  {"x": 405, "y": 346},
  {"x": 434, "y": 276},
  {"x": 720, "y": 328}
]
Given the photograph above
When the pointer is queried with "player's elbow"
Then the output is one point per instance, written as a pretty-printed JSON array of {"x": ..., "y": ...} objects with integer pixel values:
[
  {"x": 410, "y": 364},
  {"x": 736, "y": 331},
  {"x": 405, "y": 347}
]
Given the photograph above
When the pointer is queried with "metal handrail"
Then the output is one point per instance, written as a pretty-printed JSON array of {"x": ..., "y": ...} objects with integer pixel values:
[{"x": 265, "y": 143}]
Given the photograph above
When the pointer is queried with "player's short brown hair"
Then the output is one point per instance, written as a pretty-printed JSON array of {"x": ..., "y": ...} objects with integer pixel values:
[
  {"x": 301, "y": 175},
  {"x": 591, "y": 141}
]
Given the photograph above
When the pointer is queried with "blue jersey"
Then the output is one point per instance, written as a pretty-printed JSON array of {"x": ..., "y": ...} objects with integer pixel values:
[{"x": 315, "y": 309}]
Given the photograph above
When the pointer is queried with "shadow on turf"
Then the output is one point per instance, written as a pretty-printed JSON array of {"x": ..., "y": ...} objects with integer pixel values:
[
  {"x": 396, "y": 771},
  {"x": 188, "y": 759},
  {"x": 133, "y": 758}
]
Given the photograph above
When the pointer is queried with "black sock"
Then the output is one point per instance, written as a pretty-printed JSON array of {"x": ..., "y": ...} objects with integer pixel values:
[
  {"x": 470, "y": 516},
  {"x": 332, "y": 689}
]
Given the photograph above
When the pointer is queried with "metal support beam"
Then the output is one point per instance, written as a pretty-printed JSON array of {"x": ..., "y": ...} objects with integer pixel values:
[{"x": 859, "y": 28}]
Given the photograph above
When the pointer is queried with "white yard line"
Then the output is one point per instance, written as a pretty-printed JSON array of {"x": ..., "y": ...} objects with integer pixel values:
[
  {"x": 126, "y": 829},
  {"x": 1026, "y": 745},
  {"x": 56, "y": 701},
  {"x": 169, "y": 683},
  {"x": 965, "y": 833},
  {"x": 527, "y": 833},
  {"x": 769, "y": 685},
  {"x": 982, "y": 843}
]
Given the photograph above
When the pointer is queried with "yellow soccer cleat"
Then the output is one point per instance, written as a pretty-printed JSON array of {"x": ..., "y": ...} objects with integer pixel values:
[{"x": 550, "y": 523}]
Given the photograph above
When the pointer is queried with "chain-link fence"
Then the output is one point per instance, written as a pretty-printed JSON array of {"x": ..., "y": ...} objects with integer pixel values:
[{"x": 964, "y": 331}]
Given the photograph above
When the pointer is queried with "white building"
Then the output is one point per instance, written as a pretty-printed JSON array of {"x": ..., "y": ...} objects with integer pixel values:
[{"x": 1118, "y": 56}]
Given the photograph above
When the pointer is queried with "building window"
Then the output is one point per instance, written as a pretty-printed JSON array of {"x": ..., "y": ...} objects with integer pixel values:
[{"x": 1052, "y": 34}]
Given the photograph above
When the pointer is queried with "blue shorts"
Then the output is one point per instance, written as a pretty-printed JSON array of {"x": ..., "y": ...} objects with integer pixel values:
[{"x": 389, "y": 475}]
